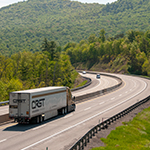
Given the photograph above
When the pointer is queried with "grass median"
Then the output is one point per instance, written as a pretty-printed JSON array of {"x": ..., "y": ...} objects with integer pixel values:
[{"x": 132, "y": 135}]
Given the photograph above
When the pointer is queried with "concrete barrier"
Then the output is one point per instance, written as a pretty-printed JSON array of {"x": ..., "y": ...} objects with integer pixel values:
[
  {"x": 4, "y": 118},
  {"x": 82, "y": 142}
]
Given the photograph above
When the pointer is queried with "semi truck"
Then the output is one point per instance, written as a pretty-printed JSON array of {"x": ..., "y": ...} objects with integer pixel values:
[{"x": 37, "y": 105}]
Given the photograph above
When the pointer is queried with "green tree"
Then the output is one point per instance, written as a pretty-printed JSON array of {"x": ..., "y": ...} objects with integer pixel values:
[
  {"x": 102, "y": 35},
  {"x": 131, "y": 35}
]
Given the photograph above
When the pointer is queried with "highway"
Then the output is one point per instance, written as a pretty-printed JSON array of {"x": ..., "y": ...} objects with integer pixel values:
[
  {"x": 97, "y": 84},
  {"x": 61, "y": 132}
]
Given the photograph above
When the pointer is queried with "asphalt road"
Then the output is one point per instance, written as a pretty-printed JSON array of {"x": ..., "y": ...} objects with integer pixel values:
[
  {"x": 97, "y": 84},
  {"x": 63, "y": 131}
]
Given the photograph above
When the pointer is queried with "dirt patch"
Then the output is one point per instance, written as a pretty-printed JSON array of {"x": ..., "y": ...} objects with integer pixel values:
[{"x": 96, "y": 142}]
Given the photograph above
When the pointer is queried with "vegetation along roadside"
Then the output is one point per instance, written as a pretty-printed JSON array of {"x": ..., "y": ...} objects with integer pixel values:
[
  {"x": 130, "y": 132},
  {"x": 27, "y": 70}
]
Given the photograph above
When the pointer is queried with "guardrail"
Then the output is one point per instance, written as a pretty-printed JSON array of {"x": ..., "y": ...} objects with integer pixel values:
[
  {"x": 82, "y": 142},
  {"x": 75, "y": 89},
  {"x": 4, "y": 103},
  {"x": 86, "y": 96},
  {"x": 89, "y": 81},
  {"x": 99, "y": 92}
]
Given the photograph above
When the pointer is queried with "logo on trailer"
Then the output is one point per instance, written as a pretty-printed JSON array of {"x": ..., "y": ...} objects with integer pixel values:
[
  {"x": 38, "y": 103},
  {"x": 19, "y": 100}
]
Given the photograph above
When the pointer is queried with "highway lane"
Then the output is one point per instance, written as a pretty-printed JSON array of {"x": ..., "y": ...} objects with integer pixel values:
[
  {"x": 97, "y": 84},
  {"x": 4, "y": 110},
  {"x": 61, "y": 132}
]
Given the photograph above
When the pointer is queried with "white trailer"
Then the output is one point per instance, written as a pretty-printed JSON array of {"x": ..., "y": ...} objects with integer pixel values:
[{"x": 36, "y": 105}]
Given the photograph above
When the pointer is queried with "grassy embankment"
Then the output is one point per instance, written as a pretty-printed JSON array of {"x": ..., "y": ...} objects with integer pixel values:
[
  {"x": 133, "y": 135},
  {"x": 78, "y": 80}
]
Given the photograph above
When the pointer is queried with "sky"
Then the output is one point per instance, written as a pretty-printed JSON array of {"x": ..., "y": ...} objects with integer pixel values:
[
  {"x": 96, "y": 1},
  {"x": 8, "y": 2}
]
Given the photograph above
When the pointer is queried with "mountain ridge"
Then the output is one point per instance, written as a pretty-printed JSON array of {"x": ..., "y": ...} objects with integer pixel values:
[{"x": 25, "y": 25}]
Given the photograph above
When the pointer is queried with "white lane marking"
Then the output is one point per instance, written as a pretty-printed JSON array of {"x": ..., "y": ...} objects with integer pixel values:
[
  {"x": 120, "y": 95},
  {"x": 130, "y": 89},
  {"x": 101, "y": 103},
  {"x": 87, "y": 108},
  {"x": 39, "y": 127},
  {"x": 126, "y": 92},
  {"x": 49, "y": 137},
  {"x": 3, "y": 140},
  {"x": 68, "y": 116},
  {"x": 113, "y": 98}
]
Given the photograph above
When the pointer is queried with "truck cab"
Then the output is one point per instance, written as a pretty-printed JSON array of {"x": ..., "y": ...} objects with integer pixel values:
[{"x": 70, "y": 101}]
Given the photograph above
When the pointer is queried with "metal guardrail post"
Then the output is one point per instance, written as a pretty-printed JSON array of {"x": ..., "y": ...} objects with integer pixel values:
[
  {"x": 104, "y": 124},
  {"x": 91, "y": 134},
  {"x": 79, "y": 145},
  {"x": 112, "y": 119},
  {"x": 85, "y": 141},
  {"x": 99, "y": 127},
  {"x": 88, "y": 138},
  {"x": 82, "y": 141}
]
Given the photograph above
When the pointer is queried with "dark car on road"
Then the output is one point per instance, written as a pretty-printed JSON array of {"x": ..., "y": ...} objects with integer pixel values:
[{"x": 98, "y": 76}]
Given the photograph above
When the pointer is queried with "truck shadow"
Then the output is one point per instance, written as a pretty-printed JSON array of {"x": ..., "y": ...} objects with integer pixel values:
[{"x": 25, "y": 127}]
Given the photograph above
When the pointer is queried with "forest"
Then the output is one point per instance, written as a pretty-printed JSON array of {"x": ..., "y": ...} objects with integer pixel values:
[
  {"x": 27, "y": 70},
  {"x": 24, "y": 25},
  {"x": 129, "y": 54},
  {"x": 52, "y": 66},
  {"x": 42, "y": 42}
]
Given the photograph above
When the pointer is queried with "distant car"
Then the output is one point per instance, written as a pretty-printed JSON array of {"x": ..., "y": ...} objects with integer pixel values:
[
  {"x": 84, "y": 72},
  {"x": 98, "y": 76}
]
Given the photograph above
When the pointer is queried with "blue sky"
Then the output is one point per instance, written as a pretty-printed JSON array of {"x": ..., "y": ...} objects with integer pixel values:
[{"x": 8, "y": 2}]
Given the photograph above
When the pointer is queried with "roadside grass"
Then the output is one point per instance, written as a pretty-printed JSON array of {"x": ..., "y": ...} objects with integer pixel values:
[
  {"x": 81, "y": 84},
  {"x": 132, "y": 135},
  {"x": 74, "y": 75},
  {"x": 77, "y": 80}
]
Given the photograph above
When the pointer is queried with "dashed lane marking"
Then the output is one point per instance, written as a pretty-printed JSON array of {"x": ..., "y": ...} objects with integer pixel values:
[
  {"x": 87, "y": 108},
  {"x": 3, "y": 140},
  {"x": 101, "y": 103}
]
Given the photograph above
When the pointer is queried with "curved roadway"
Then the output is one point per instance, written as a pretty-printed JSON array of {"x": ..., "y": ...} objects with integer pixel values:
[
  {"x": 97, "y": 84},
  {"x": 63, "y": 131}
]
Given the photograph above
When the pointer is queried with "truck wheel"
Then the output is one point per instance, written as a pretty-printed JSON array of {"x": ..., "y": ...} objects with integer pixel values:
[
  {"x": 63, "y": 111},
  {"x": 41, "y": 119},
  {"x": 37, "y": 119},
  {"x": 66, "y": 111},
  {"x": 74, "y": 107}
]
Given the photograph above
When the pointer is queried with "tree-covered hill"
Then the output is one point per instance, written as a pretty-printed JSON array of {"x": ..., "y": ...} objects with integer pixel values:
[
  {"x": 124, "y": 54},
  {"x": 23, "y": 26}
]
